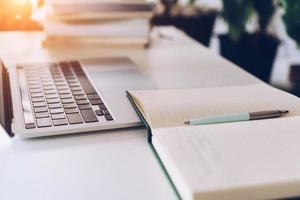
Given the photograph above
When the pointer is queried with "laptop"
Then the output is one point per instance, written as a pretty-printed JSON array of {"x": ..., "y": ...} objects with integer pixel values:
[{"x": 44, "y": 99}]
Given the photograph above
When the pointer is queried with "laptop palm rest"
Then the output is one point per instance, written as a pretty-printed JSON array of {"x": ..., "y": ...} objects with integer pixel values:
[{"x": 113, "y": 84}]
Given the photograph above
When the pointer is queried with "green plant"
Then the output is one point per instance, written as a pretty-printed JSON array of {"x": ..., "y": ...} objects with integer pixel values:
[
  {"x": 236, "y": 13},
  {"x": 292, "y": 19},
  {"x": 192, "y": 2},
  {"x": 265, "y": 10}
]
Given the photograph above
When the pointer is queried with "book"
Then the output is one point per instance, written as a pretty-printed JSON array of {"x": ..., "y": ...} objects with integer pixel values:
[
  {"x": 255, "y": 159},
  {"x": 107, "y": 42},
  {"x": 102, "y": 7},
  {"x": 112, "y": 28},
  {"x": 98, "y": 10},
  {"x": 104, "y": 23},
  {"x": 99, "y": 16}
]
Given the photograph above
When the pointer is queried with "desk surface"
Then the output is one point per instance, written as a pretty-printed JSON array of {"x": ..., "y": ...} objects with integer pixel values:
[{"x": 111, "y": 164}]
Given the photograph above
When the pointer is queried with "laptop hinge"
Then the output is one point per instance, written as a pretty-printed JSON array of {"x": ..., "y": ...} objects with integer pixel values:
[{"x": 6, "y": 101}]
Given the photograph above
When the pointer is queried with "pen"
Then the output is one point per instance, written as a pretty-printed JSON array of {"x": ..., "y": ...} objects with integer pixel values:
[{"x": 245, "y": 116}]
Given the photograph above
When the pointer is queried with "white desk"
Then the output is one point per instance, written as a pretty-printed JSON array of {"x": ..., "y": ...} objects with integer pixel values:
[{"x": 111, "y": 164}]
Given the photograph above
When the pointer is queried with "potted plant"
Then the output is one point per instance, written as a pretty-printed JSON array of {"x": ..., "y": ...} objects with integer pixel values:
[
  {"x": 168, "y": 6},
  {"x": 291, "y": 19},
  {"x": 292, "y": 24},
  {"x": 255, "y": 52},
  {"x": 194, "y": 21}
]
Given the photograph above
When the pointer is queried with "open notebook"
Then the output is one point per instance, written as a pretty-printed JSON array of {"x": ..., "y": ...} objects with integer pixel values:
[{"x": 256, "y": 159}]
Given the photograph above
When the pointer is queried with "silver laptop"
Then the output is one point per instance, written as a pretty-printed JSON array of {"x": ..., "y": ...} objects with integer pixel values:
[{"x": 42, "y": 99}]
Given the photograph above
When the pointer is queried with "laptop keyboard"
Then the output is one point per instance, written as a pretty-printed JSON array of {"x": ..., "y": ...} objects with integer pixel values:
[{"x": 60, "y": 94}]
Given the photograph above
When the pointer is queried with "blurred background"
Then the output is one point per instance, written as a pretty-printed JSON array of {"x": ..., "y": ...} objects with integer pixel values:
[{"x": 260, "y": 36}]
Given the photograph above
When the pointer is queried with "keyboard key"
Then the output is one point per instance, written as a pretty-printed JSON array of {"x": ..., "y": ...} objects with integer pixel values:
[
  {"x": 69, "y": 105},
  {"x": 39, "y": 104},
  {"x": 76, "y": 93},
  {"x": 75, "y": 88},
  {"x": 71, "y": 110},
  {"x": 62, "y": 88},
  {"x": 68, "y": 73},
  {"x": 57, "y": 75},
  {"x": 54, "y": 105},
  {"x": 43, "y": 122},
  {"x": 61, "y": 84},
  {"x": 99, "y": 112},
  {"x": 108, "y": 117},
  {"x": 40, "y": 109},
  {"x": 39, "y": 90},
  {"x": 41, "y": 115},
  {"x": 51, "y": 96},
  {"x": 82, "y": 102},
  {"x": 102, "y": 106},
  {"x": 34, "y": 82},
  {"x": 60, "y": 122},
  {"x": 80, "y": 97},
  {"x": 66, "y": 101},
  {"x": 75, "y": 65},
  {"x": 70, "y": 77},
  {"x": 50, "y": 92},
  {"x": 46, "y": 79},
  {"x": 39, "y": 99},
  {"x": 48, "y": 88},
  {"x": 47, "y": 84},
  {"x": 64, "y": 65},
  {"x": 56, "y": 110},
  {"x": 96, "y": 102},
  {"x": 30, "y": 126},
  {"x": 89, "y": 116},
  {"x": 63, "y": 92},
  {"x": 65, "y": 96},
  {"x": 84, "y": 107},
  {"x": 74, "y": 84},
  {"x": 31, "y": 73},
  {"x": 58, "y": 116},
  {"x": 105, "y": 111},
  {"x": 36, "y": 95},
  {"x": 74, "y": 118},
  {"x": 59, "y": 80},
  {"x": 33, "y": 79},
  {"x": 44, "y": 73},
  {"x": 51, "y": 101},
  {"x": 34, "y": 87},
  {"x": 72, "y": 80},
  {"x": 93, "y": 96},
  {"x": 45, "y": 76}
]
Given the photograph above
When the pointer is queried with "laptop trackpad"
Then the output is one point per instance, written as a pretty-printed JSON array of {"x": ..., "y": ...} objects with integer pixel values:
[{"x": 113, "y": 84}]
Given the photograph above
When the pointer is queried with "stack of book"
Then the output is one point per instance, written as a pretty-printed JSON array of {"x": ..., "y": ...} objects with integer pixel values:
[{"x": 97, "y": 22}]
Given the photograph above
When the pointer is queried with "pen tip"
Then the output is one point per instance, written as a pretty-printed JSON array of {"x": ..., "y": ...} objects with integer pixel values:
[
  {"x": 284, "y": 111},
  {"x": 187, "y": 122}
]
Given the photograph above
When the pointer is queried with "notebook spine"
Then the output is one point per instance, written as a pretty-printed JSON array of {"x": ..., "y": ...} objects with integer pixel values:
[{"x": 149, "y": 134}]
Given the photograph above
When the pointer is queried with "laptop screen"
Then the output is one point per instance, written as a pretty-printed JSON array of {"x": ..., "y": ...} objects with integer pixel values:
[{"x": 5, "y": 100}]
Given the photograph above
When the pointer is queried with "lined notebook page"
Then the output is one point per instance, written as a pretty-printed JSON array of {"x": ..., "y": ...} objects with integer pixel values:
[
  {"x": 243, "y": 160},
  {"x": 167, "y": 108}
]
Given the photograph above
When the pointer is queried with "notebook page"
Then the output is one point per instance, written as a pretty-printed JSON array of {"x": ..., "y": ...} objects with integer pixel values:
[
  {"x": 167, "y": 108},
  {"x": 253, "y": 159}
]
